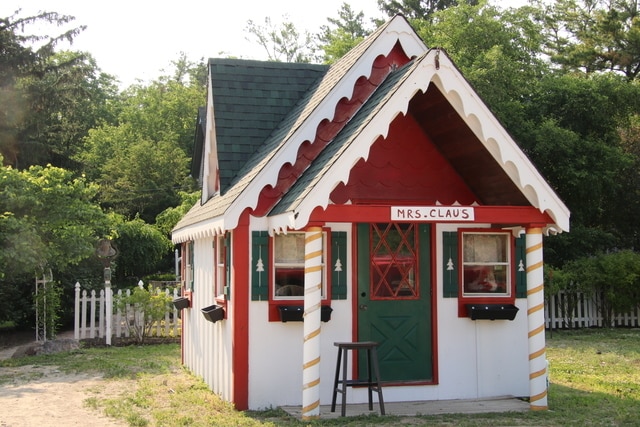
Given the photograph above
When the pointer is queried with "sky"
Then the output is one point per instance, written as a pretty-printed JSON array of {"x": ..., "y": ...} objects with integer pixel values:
[{"x": 137, "y": 39}]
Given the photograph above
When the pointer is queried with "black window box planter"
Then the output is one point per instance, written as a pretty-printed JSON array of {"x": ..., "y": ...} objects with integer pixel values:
[
  {"x": 294, "y": 313},
  {"x": 492, "y": 311},
  {"x": 213, "y": 313},
  {"x": 181, "y": 302}
]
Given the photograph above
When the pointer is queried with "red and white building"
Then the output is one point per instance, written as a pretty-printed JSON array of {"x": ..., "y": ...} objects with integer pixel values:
[{"x": 379, "y": 200}]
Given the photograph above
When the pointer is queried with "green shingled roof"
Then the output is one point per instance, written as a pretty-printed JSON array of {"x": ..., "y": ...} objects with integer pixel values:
[
  {"x": 271, "y": 127},
  {"x": 250, "y": 99}
]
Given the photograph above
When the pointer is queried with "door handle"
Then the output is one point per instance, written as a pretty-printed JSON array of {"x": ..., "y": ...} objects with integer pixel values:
[{"x": 363, "y": 307}]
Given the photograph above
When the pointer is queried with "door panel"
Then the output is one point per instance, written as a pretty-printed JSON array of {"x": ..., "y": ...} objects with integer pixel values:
[{"x": 394, "y": 300}]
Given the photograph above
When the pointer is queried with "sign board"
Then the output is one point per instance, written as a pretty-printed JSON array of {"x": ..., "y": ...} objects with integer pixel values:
[{"x": 433, "y": 213}]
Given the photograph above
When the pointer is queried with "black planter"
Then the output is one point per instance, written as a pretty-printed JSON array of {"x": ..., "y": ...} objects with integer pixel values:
[
  {"x": 213, "y": 313},
  {"x": 492, "y": 311},
  {"x": 295, "y": 313},
  {"x": 181, "y": 302}
]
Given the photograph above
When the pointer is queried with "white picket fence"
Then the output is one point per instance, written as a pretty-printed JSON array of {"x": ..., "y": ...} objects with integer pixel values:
[
  {"x": 577, "y": 310},
  {"x": 90, "y": 316}
]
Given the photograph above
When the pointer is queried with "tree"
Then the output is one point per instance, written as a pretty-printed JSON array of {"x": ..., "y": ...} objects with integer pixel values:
[
  {"x": 167, "y": 219},
  {"x": 574, "y": 135},
  {"x": 65, "y": 100},
  {"x": 48, "y": 220},
  {"x": 342, "y": 34},
  {"x": 144, "y": 178},
  {"x": 284, "y": 42},
  {"x": 48, "y": 99},
  {"x": 142, "y": 248},
  {"x": 417, "y": 9},
  {"x": 141, "y": 160},
  {"x": 593, "y": 35},
  {"x": 496, "y": 50}
]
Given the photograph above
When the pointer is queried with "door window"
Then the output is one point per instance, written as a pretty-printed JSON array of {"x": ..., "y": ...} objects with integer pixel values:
[{"x": 394, "y": 261}]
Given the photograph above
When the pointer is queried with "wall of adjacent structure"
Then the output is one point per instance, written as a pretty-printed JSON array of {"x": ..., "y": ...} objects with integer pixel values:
[{"x": 206, "y": 345}]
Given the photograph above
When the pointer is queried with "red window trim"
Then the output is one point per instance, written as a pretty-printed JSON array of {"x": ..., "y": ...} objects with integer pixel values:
[
  {"x": 463, "y": 300},
  {"x": 220, "y": 298},
  {"x": 274, "y": 304}
]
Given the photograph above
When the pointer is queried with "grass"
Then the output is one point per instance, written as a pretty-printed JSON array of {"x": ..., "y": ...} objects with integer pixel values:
[{"x": 595, "y": 381}]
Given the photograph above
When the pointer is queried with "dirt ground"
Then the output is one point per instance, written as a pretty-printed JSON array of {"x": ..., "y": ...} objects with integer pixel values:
[{"x": 41, "y": 396}]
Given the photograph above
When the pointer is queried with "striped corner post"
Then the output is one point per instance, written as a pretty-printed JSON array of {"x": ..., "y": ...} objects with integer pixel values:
[
  {"x": 312, "y": 302},
  {"x": 535, "y": 319}
]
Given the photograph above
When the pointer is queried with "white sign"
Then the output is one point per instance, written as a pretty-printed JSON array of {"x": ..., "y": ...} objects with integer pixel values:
[{"x": 432, "y": 213}]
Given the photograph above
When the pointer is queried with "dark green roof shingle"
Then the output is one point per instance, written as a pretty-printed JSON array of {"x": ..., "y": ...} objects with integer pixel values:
[{"x": 250, "y": 99}]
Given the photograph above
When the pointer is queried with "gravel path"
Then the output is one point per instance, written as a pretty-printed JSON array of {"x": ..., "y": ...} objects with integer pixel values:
[{"x": 42, "y": 396}]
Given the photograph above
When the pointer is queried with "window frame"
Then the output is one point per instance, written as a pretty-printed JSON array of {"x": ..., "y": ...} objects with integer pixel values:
[
  {"x": 483, "y": 281},
  {"x": 275, "y": 303},
  {"x": 507, "y": 297},
  {"x": 297, "y": 265},
  {"x": 220, "y": 267}
]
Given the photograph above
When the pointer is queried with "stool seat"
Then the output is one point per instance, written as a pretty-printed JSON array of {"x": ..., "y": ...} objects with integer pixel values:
[{"x": 340, "y": 385}]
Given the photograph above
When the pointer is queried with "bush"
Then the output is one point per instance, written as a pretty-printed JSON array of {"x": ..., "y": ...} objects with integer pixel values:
[
  {"x": 148, "y": 307},
  {"x": 612, "y": 279}
]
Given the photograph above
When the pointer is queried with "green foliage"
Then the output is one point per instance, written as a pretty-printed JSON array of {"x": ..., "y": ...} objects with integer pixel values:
[
  {"x": 497, "y": 51},
  {"x": 141, "y": 161},
  {"x": 342, "y": 34},
  {"x": 49, "y": 219},
  {"x": 167, "y": 219},
  {"x": 48, "y": 99},
  {"x": 141, "y": 246},
  {"x": 593, "y": 36},
  {"x": 612, "y": 279},
  {"x": 418, "y": 9},
  {"x": 150, "y": 307}
]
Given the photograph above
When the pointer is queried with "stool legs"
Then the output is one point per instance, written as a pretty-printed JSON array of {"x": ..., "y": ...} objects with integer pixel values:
[
  {"x": 376, "y": 371},
  {"x": 344, "y": 385},
  {"x": 335, "y": 382},
  {"x": 340, "y": 385}
]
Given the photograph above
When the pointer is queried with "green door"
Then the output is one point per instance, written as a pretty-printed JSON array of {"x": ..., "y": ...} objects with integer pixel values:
[{"x": 394, "y": 298}]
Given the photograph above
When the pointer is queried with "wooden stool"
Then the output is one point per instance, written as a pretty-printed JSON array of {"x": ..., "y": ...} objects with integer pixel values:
[{"x": 372, "y": 360}]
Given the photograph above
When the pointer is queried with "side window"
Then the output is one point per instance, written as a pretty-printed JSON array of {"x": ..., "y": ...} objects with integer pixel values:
[
  {"x": 188, "y": 273},
  {"x": 288, "y": 266},
  {"x": 221, "y": 265},
  {"x": 486, "y": 264}
]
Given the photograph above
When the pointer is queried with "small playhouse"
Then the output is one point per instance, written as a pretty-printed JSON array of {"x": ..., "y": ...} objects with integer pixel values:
[{"x": 377, "y": 199}]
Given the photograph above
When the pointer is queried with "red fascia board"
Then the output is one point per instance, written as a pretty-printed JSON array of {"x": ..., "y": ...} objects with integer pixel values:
[{"x": 507, "y": 215}]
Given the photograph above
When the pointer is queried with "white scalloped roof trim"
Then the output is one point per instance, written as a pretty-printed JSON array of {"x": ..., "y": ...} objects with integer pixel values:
[
  {"x": 473, "y": 111},
  {"x": 397, "y": 30}
]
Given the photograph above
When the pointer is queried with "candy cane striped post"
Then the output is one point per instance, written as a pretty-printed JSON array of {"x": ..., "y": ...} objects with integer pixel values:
[
  {"x": 535, "y": 319},
  {"x": 312, "y": 300}
]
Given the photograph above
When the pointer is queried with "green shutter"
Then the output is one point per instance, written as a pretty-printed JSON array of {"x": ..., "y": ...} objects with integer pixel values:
[
  {"x": 339, "y": 265},
  {"x": 450, "y": 264},
  {"x": 227, "y": 261},
  {"x": 521, "y": 267},
  {"x": 259, "y": 266}
]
